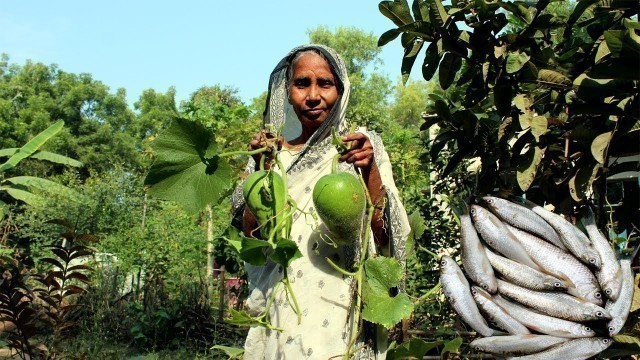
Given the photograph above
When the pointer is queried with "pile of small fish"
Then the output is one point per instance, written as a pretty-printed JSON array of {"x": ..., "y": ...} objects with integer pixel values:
[{"x": 553, "y": 292}]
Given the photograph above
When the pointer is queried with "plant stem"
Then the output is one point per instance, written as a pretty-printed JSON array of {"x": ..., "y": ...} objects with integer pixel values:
[
  {"x": 339, "y": 269},
  {"x": 296, "y": 308},
  {"x": 243, "y": 152}
]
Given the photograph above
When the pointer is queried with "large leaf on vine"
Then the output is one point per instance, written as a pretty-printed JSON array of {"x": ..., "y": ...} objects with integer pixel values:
[
  {"x": 452, "y": 346},
  {"x": 383, "y": 275},
  {"x": 242, "y": 318},
  {"x": 285, "y": 252},
  {"x": 44, "y": 185},
  {"x": 182, "y": 172},
  {"x": 412, "y": 349},
  {"x": 253, "y": 251},
  {"x": 418, "y": 227},
  {"x": 600, "y": 145},
  {"x": 397, "y": 11},
  {"x": 231, "y": 352},
  {"x": 528, "y": 165},
  {"x": 623, "y": 43},
  {"x": 32, "y": 146},
  {"x": 437, "y": 13}
]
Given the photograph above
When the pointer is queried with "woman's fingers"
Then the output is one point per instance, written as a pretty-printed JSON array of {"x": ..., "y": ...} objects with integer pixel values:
[{"x": 360, "y": 153}]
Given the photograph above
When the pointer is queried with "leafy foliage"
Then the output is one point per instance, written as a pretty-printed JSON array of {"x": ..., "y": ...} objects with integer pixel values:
[{"x": 540, "y": 105}]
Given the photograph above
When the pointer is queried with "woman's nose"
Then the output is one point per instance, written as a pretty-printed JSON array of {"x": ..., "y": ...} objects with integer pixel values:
[{"x": 313, "y": 94}]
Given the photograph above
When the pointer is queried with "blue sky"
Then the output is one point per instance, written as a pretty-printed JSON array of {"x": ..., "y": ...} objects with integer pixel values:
[{"x": 138, "y": 45}]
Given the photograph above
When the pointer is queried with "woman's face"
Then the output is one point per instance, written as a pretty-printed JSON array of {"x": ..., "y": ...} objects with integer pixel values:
[{"x": 312, "y": 90}]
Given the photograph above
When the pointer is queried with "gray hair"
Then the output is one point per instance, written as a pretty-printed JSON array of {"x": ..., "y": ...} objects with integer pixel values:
[{"x": 316, "y": 51}]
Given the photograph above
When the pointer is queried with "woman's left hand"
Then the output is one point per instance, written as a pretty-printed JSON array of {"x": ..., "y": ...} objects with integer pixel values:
[{"x": 361, "y": 152}]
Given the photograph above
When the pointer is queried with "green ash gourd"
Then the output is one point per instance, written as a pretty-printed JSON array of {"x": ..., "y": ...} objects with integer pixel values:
[
  {"x": 265, "y": 195},
  {"x": 340, "y": 202}
]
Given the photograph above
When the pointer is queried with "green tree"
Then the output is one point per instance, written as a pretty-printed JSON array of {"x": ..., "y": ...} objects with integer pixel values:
[{"x": 34, "y": 96}]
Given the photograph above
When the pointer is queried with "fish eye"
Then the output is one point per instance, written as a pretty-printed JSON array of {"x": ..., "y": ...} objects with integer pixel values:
[
  {"x": 611, "y": 329},
  {"x": 606, "y": 341},
  {"x": 608, "y": 291},
  {"x": 443, "y": 262},
  {"x": 598, "y": 295},
  {"x": 485, "y": 286},
  {"x": 557, "y": 284},
  {"x": 599, "y": 314},
  {"x": 586, "y": 328},
  {"x": 474, "y": 291},
  {"x": 489, "y": 201},
  {"x": 473, "y": 211},
  {"x": 592, "y": 260}
]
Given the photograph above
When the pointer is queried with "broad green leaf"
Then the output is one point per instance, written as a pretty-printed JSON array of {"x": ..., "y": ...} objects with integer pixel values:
[
  {"x": 437, "y": 14},
  {"x": 182, "y": 173},
  {"x": 32, "y": 182},
  {"x": 32, "y": 146},
  {"x": 525, "y": 119},
  {"x": 452, "y": 346},
  {"x": 8, "y": 152},
  {"x": 253, "y": 251},
  {"x": 420, "y": 10},
  {"x": 235, "y": 238},
  {"x": 440, "y": 142},
  {"x": 388, "y": 36},
  {"x": 431, "y": 60},
  {"x": 538, "y": 126},
  {"x": 515, "y": 61},
  {"x": 418, "y": 226},
  {"x": 599, "y": 146},
  {"x": 285, "y": 252},
  {"x": 56, "y": 158},
  {"x": 580, "y": 184},
  {"x": 528, "y": 165},
  {"x": 22, "y": 195},
  {"x": 410, "y": 54},
  {"x": 397, "y": 11},
  {"x": 231, "y": 352},
  {"x": 522, "y": 102},
  {"x": 413, "y": 349},
  {"x": 448, "y": 69},
  {"x": 381, "y": 275},
  {"x": 626, "y": 339},
  {"x": 603, "y": 50},
  {"x": 622, "y": 43},
  {"x": 590, "y": 89},
  {"x": 552, "y": 78}
]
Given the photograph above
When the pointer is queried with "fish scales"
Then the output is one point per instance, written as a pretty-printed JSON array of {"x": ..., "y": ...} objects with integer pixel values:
[
  {"x": 516, "y": 344},
  {"x": 524, "y": 275},
  {"x": 497, "y": 315},
  {"x": 543, "y": 323},
  {"x": 561, "y": 264},
  {"x": 555, "y": 304},
  {"x": 609, "y": 274},
  {"x": 523, "y": 218},
  {"x": 498, "y": 237},
  {"x": 456, "y": 288},
  {"x": 474, "y": 259},
  {"x": 574, "y": 240},
  {"x": 619, "y": 308},
  {"x": 573, "y": 349}
]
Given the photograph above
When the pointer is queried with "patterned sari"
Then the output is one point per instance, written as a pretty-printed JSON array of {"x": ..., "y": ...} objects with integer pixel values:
[{"x": 325, "y": 296}]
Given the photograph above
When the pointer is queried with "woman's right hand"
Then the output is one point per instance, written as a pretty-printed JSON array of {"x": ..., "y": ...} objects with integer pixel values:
[{"x": 267, "y": 139}]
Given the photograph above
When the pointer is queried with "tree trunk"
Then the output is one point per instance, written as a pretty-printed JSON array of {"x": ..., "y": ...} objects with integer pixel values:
[{"x": 210, "y": 257}]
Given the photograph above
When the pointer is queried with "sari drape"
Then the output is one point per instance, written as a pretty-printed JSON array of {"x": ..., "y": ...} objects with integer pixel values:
[{"x": 325, "y": 296}]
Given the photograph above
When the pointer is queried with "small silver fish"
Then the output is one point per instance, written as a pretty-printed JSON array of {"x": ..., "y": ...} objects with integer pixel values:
[
  {"x": 496, "y": 314},
  {"x": 516, "y": 344},
  {"x": 456, "y": 288},
  {"x": 620, "y": 307},
  {"x": 523, "y": 275},
  {"x": 498, "y": 237},
  {"x": 559, "y": 263},
  {"x": 609, "y": 274},
  {"x": 543, "y": 323},
  {"x": 572, "y": 349},
  {"x": 474, "y": 259},
  {"x": 554, "y": 304},
  {"x": 523, "y": 218},
  {"x": 573, "y": 239}
]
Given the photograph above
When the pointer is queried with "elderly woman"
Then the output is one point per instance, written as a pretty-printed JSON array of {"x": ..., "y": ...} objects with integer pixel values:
[{"x": 310, "y": 88}]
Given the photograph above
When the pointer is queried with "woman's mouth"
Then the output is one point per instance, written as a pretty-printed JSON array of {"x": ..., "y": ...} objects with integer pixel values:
[{"x": 314, "y": 112}]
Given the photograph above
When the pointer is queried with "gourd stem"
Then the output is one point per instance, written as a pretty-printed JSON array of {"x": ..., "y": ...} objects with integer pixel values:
[
  {"x": 272, "y": 297},
  {"x": 339, "y": 269},
  {"x": 334, "y": 164},
  {"x": 296, "y": 308}
]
